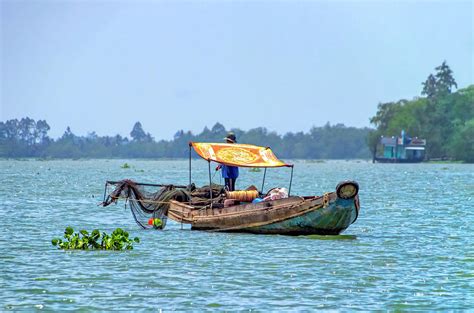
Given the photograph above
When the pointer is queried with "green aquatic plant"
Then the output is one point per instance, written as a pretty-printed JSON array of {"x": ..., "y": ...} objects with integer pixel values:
[
  {"x": 125, "y": 165},
  {"x": 83, "y": 240},
  {"x": 255, "y": 169}
]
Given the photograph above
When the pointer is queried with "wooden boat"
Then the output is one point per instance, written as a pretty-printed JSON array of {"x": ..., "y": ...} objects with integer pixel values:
[{"x": 328, "y": 214}]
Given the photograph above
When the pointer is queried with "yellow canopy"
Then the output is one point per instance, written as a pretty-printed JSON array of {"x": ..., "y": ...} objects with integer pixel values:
[{"x": 237, "y": 154}]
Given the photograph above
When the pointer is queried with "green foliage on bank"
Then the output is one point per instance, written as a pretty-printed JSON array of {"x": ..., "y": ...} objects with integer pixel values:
[
  {"x": 23, "y": 138},
  {"x": 444, "y": 118},
  {"x": 83, "y": 240}
]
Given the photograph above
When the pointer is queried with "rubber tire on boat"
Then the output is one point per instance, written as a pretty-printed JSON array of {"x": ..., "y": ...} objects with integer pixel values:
[{"x": 341, "y": 189}]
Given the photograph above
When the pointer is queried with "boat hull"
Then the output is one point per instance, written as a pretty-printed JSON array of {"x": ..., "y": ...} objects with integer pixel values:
[
  {"x": 393, "y": 160},
  {"x": 329, "y": 214},
  {"x": 331, "y": 220}
]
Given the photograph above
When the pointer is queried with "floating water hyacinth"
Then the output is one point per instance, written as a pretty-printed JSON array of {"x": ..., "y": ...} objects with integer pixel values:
[{"x": 83, "y": 240}]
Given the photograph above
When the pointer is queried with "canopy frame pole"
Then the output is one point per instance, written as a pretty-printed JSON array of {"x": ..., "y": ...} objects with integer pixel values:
[
  {"x": 210, "y": 180},
  {"x": 190, "y": 181},
  {"x": 263, "y": 182},
  {"x": 190, "y": 147},
  {"x": 291, "y": 180},
  {"x": 105, "y": 190}
]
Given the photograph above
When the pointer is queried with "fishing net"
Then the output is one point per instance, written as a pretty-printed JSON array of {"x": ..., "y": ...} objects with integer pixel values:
[
  {"x": 201, "y": 197},
  {"x": 150, "y": 208}
]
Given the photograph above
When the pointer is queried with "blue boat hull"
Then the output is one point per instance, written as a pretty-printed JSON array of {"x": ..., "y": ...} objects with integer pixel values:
[{"x": 331, "y": 220}]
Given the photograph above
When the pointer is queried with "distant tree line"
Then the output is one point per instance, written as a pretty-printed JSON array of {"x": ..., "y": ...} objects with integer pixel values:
[
  {"x": 29, "y": 138},
  {"x": 444, "y": 118}
]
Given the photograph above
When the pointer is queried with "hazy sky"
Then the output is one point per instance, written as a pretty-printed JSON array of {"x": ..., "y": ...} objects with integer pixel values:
[{"x": 285, "y": 65}]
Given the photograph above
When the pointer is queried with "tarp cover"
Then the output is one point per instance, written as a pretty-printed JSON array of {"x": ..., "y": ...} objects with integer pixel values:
[{"x": 238, "y": 154}]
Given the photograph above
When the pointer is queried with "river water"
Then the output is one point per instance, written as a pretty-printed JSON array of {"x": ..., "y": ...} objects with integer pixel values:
[{"x": 411, "y": 248}]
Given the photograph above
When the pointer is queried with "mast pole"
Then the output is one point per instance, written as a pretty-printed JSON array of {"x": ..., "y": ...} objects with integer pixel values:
[
  {"x": 263, "y": 182},
  {"x": 190, "y": 164},
  {"x": 291, "y": 180},
  {"x": 210, "y": 180}
]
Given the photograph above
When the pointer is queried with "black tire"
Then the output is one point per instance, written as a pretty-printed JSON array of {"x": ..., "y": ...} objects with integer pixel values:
[{"x": 347, "y": 189}]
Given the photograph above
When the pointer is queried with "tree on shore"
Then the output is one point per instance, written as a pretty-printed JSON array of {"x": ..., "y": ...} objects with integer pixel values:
[
  {"x": 430, "y": 88},
  {"x": 139, "y": 135},
  {"x": 329, "y": 141},
  {"x": 442, "y": 118},
  {"x": 444, "y": 79},
  {"x": 439, "y": 84}
]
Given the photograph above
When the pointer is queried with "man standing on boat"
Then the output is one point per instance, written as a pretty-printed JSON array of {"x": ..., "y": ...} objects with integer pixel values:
[{"x": 229, "y": 173}]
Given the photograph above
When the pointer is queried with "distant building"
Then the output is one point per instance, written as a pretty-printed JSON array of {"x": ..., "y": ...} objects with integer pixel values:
[{"x": 401, "y": 149}]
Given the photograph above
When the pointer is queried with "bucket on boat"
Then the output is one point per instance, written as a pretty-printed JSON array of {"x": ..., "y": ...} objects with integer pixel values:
[{"x": 242, "y": 195}]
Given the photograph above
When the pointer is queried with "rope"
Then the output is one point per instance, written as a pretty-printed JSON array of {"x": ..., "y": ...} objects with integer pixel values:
[{"x": 326, "y": 200}]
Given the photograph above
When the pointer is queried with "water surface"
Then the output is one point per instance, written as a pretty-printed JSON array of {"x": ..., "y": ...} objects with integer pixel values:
[{"x": 411, "y": 248}]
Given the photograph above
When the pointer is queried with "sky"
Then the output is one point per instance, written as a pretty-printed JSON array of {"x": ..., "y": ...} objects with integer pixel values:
[{"x": 284, "y": 65}]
